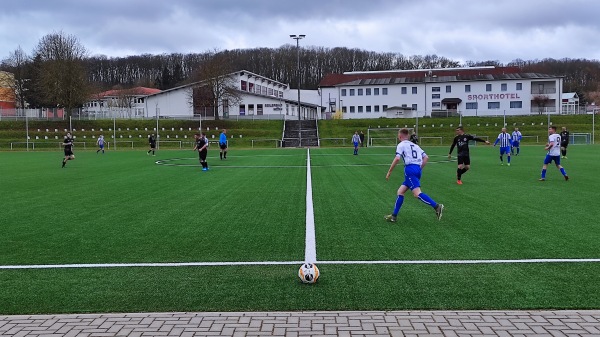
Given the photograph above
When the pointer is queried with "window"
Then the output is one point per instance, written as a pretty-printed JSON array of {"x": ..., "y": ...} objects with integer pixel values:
[
  {"x": 436, "y": 104},
  {"x": 368, "y": 91},
  {"x": 414, "y": 90},
  {"x": 244, "y": 83},
  {"x": 250, "y": 87},
  {"x": 404, "y": 106},
  {"x": 493, "y": 105},
  {"x": 257, "y": 88},
  {"x": 488, "y": 87},
  {"x": 264, "y": 90},
  {"x": 471, "y": 105},
  {"x": 376, "y": 108},
  {"x": 404, "y": 91},
  {"x": 344, "y": 109},
  {"x": 376, "y": 91},
  {"x": 242, "y": 109},
  {"x": 435, "y": 89},
  {"x": 270, "y": 92},
  {"x": 467, "y": 88},
  {"x": 384, "y": 107},
  {"x": 384, "y": 91},
  {"x": 360, "y": 92},
  {"x": 414, "y": 107},
  {"x": 435, "y": 96},
  {"x": 503, "y": 87},
  {"x": 343, "y": 92},
  {"x": 368, "y": 108},
  {"x": 360, "y": 108},
  {"x": 448, "y": 88},
  {"x": 516, "y": 105},
  {"x": 351, "y": 94},
  {"x": 519, "y": 86},
  {"x": 352, "y": 109}
]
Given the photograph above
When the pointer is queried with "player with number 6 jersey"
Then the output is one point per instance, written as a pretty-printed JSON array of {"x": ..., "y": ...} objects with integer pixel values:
[{"x": 414, "y": 159}]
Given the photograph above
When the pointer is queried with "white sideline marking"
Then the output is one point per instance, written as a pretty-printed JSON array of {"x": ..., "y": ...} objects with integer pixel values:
[
  {"x": 310, "y": 248},
  {"x": 264, "y": 263}
]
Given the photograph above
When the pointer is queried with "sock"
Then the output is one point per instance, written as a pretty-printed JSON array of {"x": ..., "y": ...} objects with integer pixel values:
[
  {"x": 501, "y": 159},
  {"x": 153, "y": 152},
  {"x": 562, "y": 170},
  {"x": 225, "y": 155},
  {"x": 508, "y": 159},
  {"x": 221, "y": 155},
  {"x": 102, "y": 151},
  {"x": 544, "y": 174},
  {"x": 427, "y": 200},
  {"x": 399, "y": 201},
  {"x": 148, "y": 151},
  {"x": 518, "y": 150},
  {"x": 459, "y": 173},
  {"x": 64, "y": 162}
]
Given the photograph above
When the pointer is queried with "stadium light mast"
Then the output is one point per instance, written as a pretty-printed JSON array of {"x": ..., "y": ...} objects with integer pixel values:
[{"x": 298, "y": 38}]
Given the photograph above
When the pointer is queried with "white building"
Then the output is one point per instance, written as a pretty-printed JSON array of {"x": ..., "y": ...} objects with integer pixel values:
[
  {"x": 474, "y": 91},
  {"x": 259, "y": 98},
  {"x": 570, "y": 103},
  {"x": 120, "y": 103}
]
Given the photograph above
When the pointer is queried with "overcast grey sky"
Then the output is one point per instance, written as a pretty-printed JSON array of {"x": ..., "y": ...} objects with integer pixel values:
[{"x": 463, "y": 30}]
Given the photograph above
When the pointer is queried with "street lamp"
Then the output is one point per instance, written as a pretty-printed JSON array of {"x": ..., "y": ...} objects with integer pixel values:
[{"x": 298, "y": 38}]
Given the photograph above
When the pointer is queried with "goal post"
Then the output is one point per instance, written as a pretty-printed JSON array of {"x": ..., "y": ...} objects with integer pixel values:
[
  {"x": 580, "y": 138},
  {"x": 384, "y": 136}
]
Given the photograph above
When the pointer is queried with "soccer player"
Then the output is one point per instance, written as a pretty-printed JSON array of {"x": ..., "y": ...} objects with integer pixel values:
[
  {"x": 356, "y": 141},
  {"x": 414, "y": 138},
  {"x": 516, "y": 141},
  {"x": 100, "y": 143},
  {"x": 68, "y": 144},
  {"x": 362, "y": 139},
  {"x": 223, "y": 144},
  {"x": 461, "y": 141},
  {"x": 505, "y": 144},
  {"x": 414, "y": 160},
  {"x": 202, "y": 148},
  {"x": 564, "y": 142},
  {"x": 553, "y": 148},
  {"x": 152, "y": 143}
]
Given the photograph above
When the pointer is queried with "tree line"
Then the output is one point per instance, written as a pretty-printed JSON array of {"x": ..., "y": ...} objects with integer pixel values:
[{"x": 60, "y": 72}]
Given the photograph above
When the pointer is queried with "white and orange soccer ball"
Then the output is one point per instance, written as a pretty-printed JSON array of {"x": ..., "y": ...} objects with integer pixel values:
[{"x": 308, "y": 273}]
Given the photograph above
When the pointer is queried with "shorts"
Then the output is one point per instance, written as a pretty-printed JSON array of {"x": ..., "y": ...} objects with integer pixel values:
[
  {"x": 550, "y": 158},
  {"x": 464, "y": 160},
  {"x": 202, "y": 155},
  {"x": 223, "y": 146},
  {"x": 101, "y": 146},
  {"x": 515, "y": 144},
  {"x": 412, "y": 176},
  {"x": 152, "y": 145},
  {"x": 564, "y": 145},
  {"x": 504, "y": 150},
  {"x": 355, "y": 144},
  {"x": 68, "y": 152}
]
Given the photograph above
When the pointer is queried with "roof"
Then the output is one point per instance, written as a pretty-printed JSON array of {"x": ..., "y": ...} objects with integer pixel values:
[
  {"x": 428, "y": 76},
  {"x": 137, "y": 91}
]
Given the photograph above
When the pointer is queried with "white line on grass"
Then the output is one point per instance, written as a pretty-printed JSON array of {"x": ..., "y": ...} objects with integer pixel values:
[
  {"x": 310, "y": 248},
  {"x": 264, "y": 263}
]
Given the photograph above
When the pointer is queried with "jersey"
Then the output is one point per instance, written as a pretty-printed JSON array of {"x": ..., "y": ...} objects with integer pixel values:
[
  {"x": 356, "y": 138},
  {"x": 462, "y": 144},
  {"x": 100, "y": 141},
  {"x": 554, "y": 140},
  {"x": 411, "y": 153},
  {"x": 564, "y": 138},
  {"x": 516, "y": 136},
  {"x": 222, "y": 139},
  {"x": 200, "y": 143},
  {"x": 504, "y": 139},
  {"x": 152, "y": 140},
  {"x": 68, "y": 143}
]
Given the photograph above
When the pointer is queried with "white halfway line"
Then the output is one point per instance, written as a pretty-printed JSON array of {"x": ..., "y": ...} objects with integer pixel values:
[
  {"x": 310, "y": 246},
  {"x": 264, "y": 263}
]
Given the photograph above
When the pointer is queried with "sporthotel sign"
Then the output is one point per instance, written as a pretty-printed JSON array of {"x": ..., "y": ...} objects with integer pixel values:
[{"x": 483, "y": 97}]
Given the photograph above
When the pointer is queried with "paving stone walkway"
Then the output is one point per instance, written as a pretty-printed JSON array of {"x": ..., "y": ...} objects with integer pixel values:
[{"x": 319, "y": 323}]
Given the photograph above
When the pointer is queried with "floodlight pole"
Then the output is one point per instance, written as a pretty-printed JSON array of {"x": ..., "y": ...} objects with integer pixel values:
[{"x": 298, "y": 38}]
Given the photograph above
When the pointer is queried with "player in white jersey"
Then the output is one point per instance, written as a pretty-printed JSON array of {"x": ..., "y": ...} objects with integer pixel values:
[
  {"x": 414, "y": 159},
  {"x": 505, "y": 144},
  {"x": 516, "y": 141},
  {"x": 553, "y": 148},
  {"x": 100, "y": 143}
]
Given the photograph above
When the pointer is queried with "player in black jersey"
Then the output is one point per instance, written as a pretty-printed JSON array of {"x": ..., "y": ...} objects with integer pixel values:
[
  {"x": 152, "y": 144},
  {"x": 68, "y": 144},
  {"x": 564, "y": 142},
  {"x": 461, "y": 141},
  {"x": 202, "y": 148}
]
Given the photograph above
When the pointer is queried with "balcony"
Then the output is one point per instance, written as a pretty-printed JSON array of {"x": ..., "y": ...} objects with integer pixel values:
[{"x": 538, "y": 91}]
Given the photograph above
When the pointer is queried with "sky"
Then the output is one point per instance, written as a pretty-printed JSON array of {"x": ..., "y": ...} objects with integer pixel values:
[{"x": 461, "y": 30}]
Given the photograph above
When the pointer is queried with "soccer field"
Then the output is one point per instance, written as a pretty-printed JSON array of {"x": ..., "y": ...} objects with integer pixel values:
[{"x": 127, "y": 232}]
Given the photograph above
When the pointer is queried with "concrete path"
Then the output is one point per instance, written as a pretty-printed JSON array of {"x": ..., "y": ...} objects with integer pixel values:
[{"x": 320, "y": 323}]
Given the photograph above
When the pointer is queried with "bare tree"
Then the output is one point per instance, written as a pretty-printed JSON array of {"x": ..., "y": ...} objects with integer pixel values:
[
  {"x": 215, "y": 87},
  {"x": 16, "y": 63},
  {"x": 540, "y": 102},
  {"x": 63, "y": 76}
]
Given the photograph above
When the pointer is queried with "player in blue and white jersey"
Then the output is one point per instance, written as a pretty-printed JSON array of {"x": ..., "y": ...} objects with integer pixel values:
[
  {"x": 414, "y": 159},
  {"x": 505, "y": 143},
  {"x": 223, "y": 144},
  {"x": 516, "y": 141},
  {"x": 100, "y": 143},
  {"x": 356, "y": 141},
  {"x": 553, "y": 148}
]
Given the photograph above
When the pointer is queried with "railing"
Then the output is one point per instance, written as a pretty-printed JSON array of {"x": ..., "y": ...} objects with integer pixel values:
[
  {"x": 256, "y": 141},
  {"x": 535, "y": 91}
]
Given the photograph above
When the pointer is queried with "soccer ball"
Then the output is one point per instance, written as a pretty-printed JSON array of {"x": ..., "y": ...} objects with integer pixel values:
[{"x": 308, "y": 273}]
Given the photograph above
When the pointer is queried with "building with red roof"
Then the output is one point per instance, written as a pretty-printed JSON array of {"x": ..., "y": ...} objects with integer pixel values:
[{"x": 120, "y": 103}]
